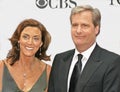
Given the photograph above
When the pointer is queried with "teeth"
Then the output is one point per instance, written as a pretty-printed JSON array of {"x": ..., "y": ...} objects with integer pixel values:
[{"x": 29, "y": 48}]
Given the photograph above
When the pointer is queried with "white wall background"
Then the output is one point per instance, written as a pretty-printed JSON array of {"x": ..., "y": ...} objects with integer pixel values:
[{"x": 12, "y": 12}]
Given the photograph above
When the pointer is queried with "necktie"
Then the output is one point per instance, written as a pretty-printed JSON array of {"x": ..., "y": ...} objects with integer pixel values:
[{"x": 75, "y": 74}]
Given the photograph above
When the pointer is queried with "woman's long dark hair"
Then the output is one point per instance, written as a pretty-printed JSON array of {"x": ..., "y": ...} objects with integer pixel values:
[{"x": 14, "y": 53}]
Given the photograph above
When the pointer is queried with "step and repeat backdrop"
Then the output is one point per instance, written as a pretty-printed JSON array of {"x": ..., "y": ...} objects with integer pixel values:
[{"x": 54, "y": 14}]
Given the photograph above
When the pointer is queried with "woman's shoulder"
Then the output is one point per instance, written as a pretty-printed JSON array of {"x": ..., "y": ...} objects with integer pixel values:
[
  {"x": 48, "y": 66},
  {"x": 1, "y": 72},
  {"x": 2, "y": 64},
  {"x": 48, "y": 63}
]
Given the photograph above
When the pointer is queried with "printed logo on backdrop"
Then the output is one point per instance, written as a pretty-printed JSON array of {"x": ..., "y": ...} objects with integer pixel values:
[
  {"x": 114, "y": 2},
  {"x": 55, "y": 4}
]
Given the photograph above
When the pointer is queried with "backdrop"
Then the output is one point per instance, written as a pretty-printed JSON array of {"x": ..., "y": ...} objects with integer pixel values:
[{"x": 54, "y": 14}]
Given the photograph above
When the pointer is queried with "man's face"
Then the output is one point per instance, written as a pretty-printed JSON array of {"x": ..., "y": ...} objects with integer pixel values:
[{"x": 83, "y": 30}]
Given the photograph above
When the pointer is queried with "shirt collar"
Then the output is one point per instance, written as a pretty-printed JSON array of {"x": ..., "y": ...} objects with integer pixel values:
[{"x": 86, "y": 54}]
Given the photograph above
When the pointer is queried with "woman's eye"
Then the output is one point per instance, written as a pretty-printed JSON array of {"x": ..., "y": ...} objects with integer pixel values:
[
  {"x": 25, "y": 37},
  {"x": 36, "y": 38}
]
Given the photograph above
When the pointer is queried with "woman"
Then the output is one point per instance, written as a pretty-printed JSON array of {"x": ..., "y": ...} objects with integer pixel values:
[{"x": 24, "y": 69}]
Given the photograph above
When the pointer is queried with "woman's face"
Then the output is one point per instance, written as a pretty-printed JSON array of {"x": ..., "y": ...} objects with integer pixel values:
[{"x": 30, "y": 41}]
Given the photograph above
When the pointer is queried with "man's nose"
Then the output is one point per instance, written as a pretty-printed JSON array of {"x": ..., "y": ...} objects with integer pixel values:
[{"x": 79, "y": 29}]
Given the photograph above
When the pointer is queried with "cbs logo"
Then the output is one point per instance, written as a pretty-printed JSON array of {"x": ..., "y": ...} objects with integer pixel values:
[{"x": 55, "y": 3}]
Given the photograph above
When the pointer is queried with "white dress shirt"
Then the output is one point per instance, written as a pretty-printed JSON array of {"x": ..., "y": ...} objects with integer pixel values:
[{"x": 86, "y": 54}]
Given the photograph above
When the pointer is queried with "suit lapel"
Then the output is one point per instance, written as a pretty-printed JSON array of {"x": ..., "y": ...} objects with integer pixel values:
[
  {"x": 92, "y": 64},
  {"x": 66, "y": 61}
]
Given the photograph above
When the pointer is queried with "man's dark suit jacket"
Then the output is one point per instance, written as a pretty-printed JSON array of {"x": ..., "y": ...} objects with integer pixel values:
[{"x": 100, "y": 74}]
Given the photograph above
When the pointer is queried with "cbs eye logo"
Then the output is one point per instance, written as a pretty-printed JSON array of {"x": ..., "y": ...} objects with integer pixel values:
[
  {"x": 41, "y": 3},
  {"x": 55, "y": 3}
]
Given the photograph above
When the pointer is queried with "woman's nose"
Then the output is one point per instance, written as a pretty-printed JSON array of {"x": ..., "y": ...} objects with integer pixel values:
[{"x": 30, "y": 40}]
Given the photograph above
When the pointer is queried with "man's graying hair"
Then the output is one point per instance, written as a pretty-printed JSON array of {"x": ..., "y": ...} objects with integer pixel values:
[{"x": 96, "y": 16}]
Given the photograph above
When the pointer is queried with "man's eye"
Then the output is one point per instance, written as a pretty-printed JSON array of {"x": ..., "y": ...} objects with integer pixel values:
[
  {"x": 74, "y": 25},
  {"x": 84, "y": 26}
]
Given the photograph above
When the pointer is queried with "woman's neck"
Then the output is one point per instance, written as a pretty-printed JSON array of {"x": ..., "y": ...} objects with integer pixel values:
[{"x": 27, "y": 63}]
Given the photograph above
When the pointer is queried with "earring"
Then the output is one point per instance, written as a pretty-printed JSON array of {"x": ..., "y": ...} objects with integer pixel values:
[{"x": 40, "y": 51}]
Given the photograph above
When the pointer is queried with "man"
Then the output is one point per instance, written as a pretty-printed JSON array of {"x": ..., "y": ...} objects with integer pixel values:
[{"x": 100, "y": 67}]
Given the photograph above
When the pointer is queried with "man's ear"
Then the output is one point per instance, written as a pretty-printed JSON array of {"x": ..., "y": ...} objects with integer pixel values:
[{"x": 97, "y": 30}]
